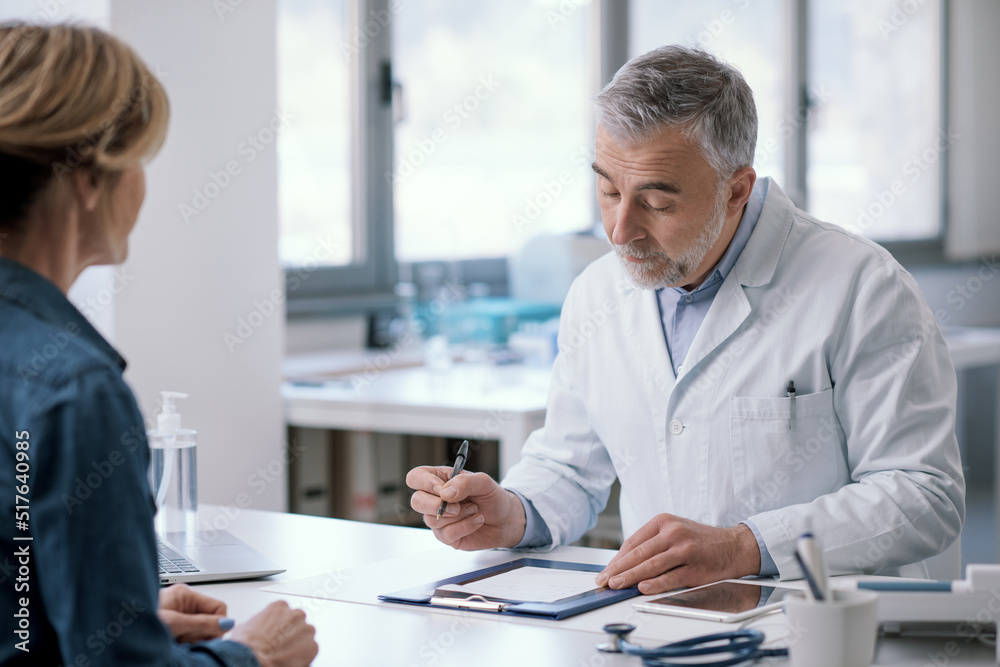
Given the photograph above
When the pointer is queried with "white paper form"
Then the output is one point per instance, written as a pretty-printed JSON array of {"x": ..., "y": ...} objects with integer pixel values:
[{"x": 530, "y": 584}]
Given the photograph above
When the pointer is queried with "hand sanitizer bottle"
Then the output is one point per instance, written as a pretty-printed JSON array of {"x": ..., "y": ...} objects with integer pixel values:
[{"x": 173, "y": 473}]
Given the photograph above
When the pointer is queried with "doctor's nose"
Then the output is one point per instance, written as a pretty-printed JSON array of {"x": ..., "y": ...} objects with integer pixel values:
[{"x": 626, "y": 227}]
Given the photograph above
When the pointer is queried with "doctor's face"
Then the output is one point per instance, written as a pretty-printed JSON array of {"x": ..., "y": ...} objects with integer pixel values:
[{"x": 665, "y": 210}]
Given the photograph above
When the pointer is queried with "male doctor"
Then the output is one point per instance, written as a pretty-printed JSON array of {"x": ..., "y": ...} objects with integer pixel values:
[{"x": 748, "y": 372}]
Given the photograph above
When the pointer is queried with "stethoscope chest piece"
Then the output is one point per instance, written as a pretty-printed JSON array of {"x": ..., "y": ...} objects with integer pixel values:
[{"x": 617, "y": 633}]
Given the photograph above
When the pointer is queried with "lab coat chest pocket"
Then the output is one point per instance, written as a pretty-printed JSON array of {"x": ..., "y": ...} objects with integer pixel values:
[{"x": 775, "y": 465}]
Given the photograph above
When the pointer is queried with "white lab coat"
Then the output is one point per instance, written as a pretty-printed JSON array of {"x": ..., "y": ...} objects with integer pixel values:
[{"x": 872, "y": 466}]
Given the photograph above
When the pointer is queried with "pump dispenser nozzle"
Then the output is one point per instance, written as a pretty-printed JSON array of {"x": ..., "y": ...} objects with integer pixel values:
[{"x": 168, "y": 421}]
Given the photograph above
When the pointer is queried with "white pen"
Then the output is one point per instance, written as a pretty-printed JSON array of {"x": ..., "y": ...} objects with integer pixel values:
[{"x": 812, "y": 555}]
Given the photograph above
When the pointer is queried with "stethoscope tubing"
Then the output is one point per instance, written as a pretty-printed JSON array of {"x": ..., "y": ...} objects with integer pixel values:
[{"x": 742, "y": 646}]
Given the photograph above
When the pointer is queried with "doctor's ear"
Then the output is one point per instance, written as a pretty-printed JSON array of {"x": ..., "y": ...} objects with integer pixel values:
[{"x": 739, "y": 186}]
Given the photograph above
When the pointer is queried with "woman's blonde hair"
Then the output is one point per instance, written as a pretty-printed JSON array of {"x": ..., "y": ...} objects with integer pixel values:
[{"x": 71, "y": 97}]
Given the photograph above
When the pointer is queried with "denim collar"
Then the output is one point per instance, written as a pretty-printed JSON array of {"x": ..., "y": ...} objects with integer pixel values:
[{"x": 32, "y": 292}]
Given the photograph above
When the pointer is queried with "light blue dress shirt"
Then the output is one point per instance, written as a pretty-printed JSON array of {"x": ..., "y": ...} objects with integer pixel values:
[{"x": 681, "y": 314}]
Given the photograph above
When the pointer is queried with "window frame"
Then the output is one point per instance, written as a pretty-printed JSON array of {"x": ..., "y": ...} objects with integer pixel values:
[{"x": 367, "y": 285}]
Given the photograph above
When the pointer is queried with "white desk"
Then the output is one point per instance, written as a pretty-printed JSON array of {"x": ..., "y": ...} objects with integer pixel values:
[{"x": 357, "y": 635}]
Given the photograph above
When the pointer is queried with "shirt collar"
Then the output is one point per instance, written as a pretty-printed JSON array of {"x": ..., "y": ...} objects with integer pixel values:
[
  {"x": 32, "y": 292},
  {"x": 751, "y": 213}
]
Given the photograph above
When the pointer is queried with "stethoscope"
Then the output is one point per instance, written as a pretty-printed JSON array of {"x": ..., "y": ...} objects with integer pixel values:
[{"x": 741, "y": 645}]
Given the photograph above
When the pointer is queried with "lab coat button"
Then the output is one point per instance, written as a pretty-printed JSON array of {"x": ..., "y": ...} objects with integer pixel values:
[{"x": 676, "y": 427}]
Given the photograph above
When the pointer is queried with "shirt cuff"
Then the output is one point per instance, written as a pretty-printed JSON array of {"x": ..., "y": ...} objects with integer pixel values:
[
  {"x": 536, "y": 533},
  {"x": 767, "y": 566}
]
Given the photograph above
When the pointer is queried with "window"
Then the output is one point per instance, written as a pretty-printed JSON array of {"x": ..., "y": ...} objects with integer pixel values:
[
  {"x": 751, "y": 36},
  {"x": 869, "y": 119},
  {"x": 875, "y": 137},
  {"x": 492, "y": 144},
  {"x": 451, "y": 131},
  {"x": 314, "y": 149}
]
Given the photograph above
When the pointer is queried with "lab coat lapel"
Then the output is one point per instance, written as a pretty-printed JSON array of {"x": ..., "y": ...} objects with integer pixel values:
[
  {"x": 754, "y": 268},
  {"x": 728, "y": 311},
  {"x": 644, "y": 325}
]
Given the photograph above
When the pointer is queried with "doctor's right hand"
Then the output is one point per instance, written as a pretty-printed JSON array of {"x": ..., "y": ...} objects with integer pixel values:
[{"x": 480, "y": 513}]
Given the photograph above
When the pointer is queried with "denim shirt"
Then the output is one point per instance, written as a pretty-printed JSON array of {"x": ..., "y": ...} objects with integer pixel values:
[{"x": 78, "y": 573}]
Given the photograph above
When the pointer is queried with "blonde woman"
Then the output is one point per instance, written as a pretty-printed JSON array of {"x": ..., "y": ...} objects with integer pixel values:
[{"x": 79, "y": 114}]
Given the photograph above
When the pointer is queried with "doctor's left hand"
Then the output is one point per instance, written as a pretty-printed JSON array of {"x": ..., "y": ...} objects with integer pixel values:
[
  {"x": 670, "y": 552},
  {"x": 191, "y": 616}
]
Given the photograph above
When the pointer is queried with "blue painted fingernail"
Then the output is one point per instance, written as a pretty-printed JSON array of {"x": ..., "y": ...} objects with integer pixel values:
[{"x": 226, "y": 623}]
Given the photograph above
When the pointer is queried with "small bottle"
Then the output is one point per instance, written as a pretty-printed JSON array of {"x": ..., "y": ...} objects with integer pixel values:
[{"x": 173, "y": 472}]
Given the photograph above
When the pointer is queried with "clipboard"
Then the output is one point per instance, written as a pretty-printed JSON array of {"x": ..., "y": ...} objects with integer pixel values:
[{"x": 429, "y": 595}]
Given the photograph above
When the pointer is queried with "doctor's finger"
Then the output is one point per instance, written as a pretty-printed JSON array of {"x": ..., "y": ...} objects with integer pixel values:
[
  {"x": 425, "y": 478},
  {"x": 678, "y": 577},
  {"x": 646, "y": 570},
  {"x": 428, "y": 504},
  {"x": 647, "y": 555},
  {"x": 648, "y": 531},
  {"x": 464, "y": 511},
  {"x": 455, "y": 532},
  {"x": 468, "y": 485}
]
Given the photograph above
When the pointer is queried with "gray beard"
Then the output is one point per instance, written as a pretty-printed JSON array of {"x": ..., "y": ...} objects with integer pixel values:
[{"x": 666, "y": 271}]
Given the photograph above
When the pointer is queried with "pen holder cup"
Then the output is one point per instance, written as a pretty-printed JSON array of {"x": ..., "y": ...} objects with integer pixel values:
[{"x": 835, "y": 633}]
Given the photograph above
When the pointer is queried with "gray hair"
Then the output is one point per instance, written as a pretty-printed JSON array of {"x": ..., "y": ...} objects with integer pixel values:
[{"x": 688, "y": 89}]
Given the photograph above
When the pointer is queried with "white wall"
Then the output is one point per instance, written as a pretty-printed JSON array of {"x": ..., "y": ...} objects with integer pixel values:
[{"x": 190, "y": 282}]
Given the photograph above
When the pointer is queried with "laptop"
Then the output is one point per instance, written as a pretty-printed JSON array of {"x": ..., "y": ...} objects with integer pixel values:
[{"x": 208, "y": 555}]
